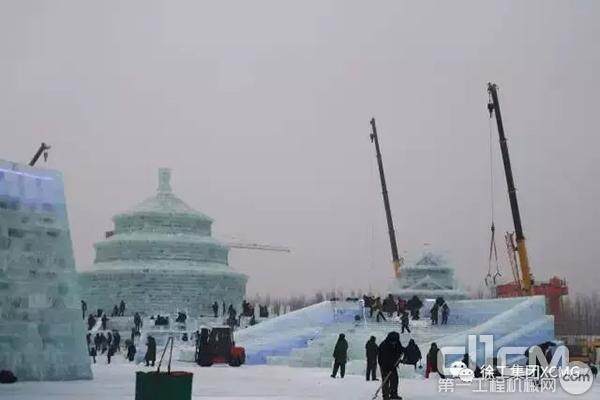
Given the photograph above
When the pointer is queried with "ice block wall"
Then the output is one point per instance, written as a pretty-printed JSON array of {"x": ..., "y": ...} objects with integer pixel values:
[{"x": 41, "y": 329}]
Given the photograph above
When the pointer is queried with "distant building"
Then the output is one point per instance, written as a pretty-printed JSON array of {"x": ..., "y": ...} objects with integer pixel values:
[
  {"x": 429, "y": 277},
  {"x": 161, "y": 258}
]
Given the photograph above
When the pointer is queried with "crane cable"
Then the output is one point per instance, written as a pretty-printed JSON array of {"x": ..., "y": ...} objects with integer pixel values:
[{"x": 490, "y": 279}]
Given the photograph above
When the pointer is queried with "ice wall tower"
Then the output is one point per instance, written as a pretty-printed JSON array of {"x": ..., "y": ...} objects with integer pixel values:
[
  {"x": 42, "y": 334},
  {"x": 160, "y": 258},
  {"x": 429, "y": 277}
]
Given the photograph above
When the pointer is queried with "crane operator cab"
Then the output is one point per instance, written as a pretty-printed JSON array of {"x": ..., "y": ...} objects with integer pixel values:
[{"x": 216, "y": 346}]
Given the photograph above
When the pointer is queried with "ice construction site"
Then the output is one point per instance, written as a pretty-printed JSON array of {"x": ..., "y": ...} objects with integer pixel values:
[{"x": 42, "y": 335}]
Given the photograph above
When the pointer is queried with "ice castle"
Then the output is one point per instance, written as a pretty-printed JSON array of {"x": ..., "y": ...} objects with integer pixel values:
[
  {"x": 161, "y": 258},
  {"x": 42, "y": 334},
  {"x": 429, "y": 277}
]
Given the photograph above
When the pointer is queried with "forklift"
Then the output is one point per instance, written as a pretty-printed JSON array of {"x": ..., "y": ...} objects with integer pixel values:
[{"x": 216, "y": 346}]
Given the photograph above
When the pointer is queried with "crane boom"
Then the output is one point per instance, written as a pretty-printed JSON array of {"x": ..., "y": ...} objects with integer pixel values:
[
  {"x": 397, "y": 261},
  {"x": 526, "y": 278},
  {"x": 257, "y": 246},
  {"x": 43, "y": 149}
]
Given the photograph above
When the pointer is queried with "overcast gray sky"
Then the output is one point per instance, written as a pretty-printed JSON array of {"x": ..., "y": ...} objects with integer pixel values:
[{"x": 262, "y": 109}]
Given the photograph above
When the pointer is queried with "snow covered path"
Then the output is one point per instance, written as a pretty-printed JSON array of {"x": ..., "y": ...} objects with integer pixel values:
[{"x": 117, "y": 381}]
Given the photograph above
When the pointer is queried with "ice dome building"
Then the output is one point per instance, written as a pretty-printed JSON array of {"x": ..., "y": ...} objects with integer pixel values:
[
  {"x": 430, "y": 276},
  {"x": 161, "y": 258}
]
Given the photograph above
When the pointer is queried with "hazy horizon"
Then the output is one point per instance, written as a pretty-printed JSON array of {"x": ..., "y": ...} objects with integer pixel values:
[{"x": 261, "y": 110}]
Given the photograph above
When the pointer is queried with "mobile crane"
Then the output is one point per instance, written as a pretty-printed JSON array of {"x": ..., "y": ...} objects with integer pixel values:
[
  {"x": 396, "y": 260},
  {"x": 524, "y": 284}
]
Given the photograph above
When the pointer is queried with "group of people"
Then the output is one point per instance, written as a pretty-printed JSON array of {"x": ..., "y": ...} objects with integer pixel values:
[
  {"x": 389, "y": 306},
  {"x": 101, "y": 344},
  {"x": 440, "y": 304},
  {"x": 381, "y": 310},
  {"x": 118, "y": 311},
  {"x": 388, "y": 355}
]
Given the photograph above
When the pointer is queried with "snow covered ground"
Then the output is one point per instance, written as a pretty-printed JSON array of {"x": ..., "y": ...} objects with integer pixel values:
[{"x": 117, "y": 381}]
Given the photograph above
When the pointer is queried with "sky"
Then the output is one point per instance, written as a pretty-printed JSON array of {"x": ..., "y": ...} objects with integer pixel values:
[{"x": 262, "y": 109}]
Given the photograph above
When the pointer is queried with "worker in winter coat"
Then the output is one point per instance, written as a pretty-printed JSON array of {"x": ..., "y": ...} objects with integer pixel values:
[
  {"x": 405, "y": 321},
  {"x": 215, "y": 308},
  {"x": 432, "y": 361},
  {"x": 104, "y": 321},
  {"x": 371, "y": 352},
  {"x": 122, "y": 308},
  {"x": 340, "y": 356},
  {"x": 445, "y": 312},
  {"x": 131, "y": 350},
  {"x": 150, "y": 351},
  {"x": 91, "y": 322},
  {"x": 412, "y": 354},
  {"x": 93, "y": 353},
  {"x": 434, "y": 314},
  {"x": 83, "y": 309},
  {"x": 390, "y": 354}
]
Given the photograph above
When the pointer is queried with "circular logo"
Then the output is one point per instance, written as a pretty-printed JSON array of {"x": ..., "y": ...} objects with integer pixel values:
[
  {"x": 576, "y": 378},
  {"x": 455, "y": 369},
  {"x": 466, "y": 375}
]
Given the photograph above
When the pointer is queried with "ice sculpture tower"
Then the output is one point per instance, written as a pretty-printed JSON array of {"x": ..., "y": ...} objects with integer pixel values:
[
  {"x": 429, "y": 277},
  {"x": 42, "y": 334},
  {"x": 161, "y": 258}
]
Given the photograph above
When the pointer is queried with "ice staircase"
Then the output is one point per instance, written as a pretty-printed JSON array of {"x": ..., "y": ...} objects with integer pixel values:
[{"x": 305, "y": 338}]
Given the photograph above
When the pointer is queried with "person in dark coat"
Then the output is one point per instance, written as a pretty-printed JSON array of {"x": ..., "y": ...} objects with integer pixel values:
[
  {"x": 390, "y": 354},
  {"x": 122, "y": 308},
  {"x": 340, "y": 356},
  {"x": 104, "y": 321},
  {"x": 111, "y": 352},
  {"x": 93, "y": 354},
  {"x": 117, "y": 340},
  {"x": 215, "y": 308},
  {"x": 412, "y": 354},
  {"x": 83, "y": 309},
  {"x": 115, "y": 311},
  {"x": 88, "y": 340},
  {"x": 445, "y": 312},
  {"x": 434, "y": 314},
  {"x": 97, "y": 341},
  {"x": 91, "y": 322},
  {"x": 372, "y": 349},
  {"x": 131, "y": 350},
  {"x": 414, "y": 305},
  {"x": 432, "y": 361},
  {"x": 137, "y": 321},
  {"x": 150, "y": 351},
  {"x": 405, "y": 321}
]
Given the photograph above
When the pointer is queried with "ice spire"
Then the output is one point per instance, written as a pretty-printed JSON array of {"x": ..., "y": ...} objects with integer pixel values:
[{"x": 164, "y": 180}]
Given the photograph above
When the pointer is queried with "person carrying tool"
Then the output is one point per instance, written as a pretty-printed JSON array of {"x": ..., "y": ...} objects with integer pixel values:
[{"x": 390, "y": 355}]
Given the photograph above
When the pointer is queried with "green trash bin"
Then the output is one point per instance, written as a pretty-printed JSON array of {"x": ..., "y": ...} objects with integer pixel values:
[{"x": 176, "y": 385}]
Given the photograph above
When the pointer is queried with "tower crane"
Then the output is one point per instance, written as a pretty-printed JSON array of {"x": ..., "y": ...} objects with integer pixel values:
[{"x": 397, "y": 261}]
